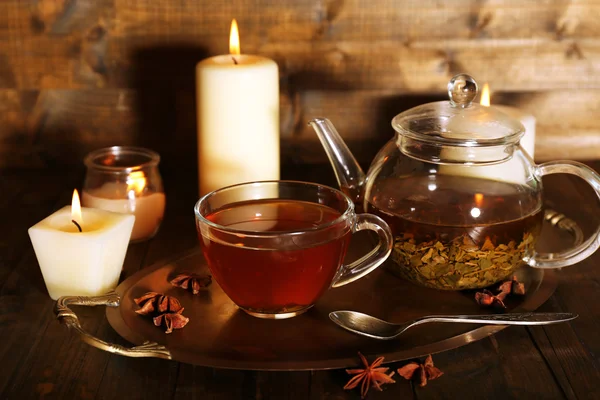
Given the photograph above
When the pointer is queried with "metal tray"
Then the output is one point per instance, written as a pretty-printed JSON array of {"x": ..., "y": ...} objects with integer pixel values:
[{"x": 219, "y": 335}]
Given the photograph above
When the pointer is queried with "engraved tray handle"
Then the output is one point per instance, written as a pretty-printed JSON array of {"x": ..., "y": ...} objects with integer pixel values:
[{"x": 66, "y": 316}]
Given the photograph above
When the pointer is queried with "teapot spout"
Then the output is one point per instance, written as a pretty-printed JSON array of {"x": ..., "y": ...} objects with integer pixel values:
[{"x": 348, "y": 173}]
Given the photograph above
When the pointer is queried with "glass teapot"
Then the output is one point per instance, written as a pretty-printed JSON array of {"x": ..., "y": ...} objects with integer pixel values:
[{"x": 463, "y": 200}]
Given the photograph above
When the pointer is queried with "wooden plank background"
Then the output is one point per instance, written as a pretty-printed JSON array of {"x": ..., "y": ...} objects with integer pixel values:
[{"x": 76, "y": 75}]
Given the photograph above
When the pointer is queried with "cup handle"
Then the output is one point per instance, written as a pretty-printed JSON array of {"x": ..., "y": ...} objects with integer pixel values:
[
  {"x": 584, "y": 249},
  {"x": 373, "y": 259}
]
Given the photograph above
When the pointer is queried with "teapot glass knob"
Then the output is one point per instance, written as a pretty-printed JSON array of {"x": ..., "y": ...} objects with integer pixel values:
[{"x": 462, "y": 90}]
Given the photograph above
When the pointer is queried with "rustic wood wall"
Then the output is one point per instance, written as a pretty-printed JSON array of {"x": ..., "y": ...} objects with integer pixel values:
[{"x": 79, "y": 74}]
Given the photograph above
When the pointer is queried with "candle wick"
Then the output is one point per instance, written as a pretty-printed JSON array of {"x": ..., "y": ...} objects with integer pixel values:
[
  {"x": 234, "y": 60},
  {"x": 77, "y": 225}
]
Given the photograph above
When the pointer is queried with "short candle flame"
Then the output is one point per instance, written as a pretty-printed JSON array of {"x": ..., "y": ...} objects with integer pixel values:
[
  {"x": 478, "y": 199},
  {"x": 485, "y": 95},
  {"x": 234, "y": 39},
  {"x": 76, "y": 217},
  {"x": 136, "y": 181}
]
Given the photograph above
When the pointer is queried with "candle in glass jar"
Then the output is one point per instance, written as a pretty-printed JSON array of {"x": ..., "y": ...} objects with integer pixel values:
[
  {"x": 148, "y": 208},
  {"x": 238, "y": 118},
  {"x": 81, "y": 250},
  {"x": 126, "y": 179}
]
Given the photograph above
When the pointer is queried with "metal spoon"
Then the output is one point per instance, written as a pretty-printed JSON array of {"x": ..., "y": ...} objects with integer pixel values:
[{"x": 376, "y": 328}]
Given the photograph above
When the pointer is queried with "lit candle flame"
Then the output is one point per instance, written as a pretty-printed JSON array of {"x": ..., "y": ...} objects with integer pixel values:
[
  {"x": 485, "y": 95},
  {"x": 478, "y": 199},
  {"x": 234, "y": 39},
  {"x": 76, "y": 210},
  {"x": 136, "y": 181}
]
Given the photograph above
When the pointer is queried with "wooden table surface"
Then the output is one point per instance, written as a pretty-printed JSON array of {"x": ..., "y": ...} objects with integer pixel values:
[{"x": 40, "y": 358}]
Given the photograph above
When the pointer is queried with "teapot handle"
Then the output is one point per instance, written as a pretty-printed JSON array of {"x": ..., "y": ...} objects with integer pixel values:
[{"x": 588, "y": 247}]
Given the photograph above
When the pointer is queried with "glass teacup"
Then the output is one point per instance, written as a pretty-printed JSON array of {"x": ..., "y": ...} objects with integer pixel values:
[{"x": 275, "y": 247}]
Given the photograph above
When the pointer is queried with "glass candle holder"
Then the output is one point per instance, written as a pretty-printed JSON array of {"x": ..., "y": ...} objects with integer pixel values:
[{"x": 126, "y": 180}]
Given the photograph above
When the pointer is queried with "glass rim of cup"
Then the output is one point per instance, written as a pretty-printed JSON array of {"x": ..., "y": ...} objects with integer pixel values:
[
  {"x": 90, "y": 158},
  {"x": 348, "y": 212}
]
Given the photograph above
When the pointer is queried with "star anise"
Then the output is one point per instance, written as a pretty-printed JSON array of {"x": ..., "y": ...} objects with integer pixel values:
[
  {"x": 371, "y": 375},
  {"x": 512, "y": 286},
  {"x": 192, "y": 282},
  {"x": 488, "y": 299},
  {"x": 426, "y": 371},
  {"x": 153, "y": 302},
  {"x": 174, "y": 320}
]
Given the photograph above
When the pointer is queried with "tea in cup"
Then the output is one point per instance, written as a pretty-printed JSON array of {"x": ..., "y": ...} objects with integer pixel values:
[{"x": 275, "y": 247}]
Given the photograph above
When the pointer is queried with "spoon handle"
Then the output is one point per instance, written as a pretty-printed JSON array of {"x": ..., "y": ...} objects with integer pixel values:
[{"x": 503, "y": 319}]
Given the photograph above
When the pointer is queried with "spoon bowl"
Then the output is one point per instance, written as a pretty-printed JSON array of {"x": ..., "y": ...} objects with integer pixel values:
[{"x": 367, "y": 325}]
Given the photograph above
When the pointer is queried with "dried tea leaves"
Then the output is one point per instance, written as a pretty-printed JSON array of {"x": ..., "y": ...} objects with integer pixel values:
[{"x": 458, "y": 264}]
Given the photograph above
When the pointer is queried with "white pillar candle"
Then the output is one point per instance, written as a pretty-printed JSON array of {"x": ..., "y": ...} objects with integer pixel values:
[
  {"x": 86, "y": 263},
  {"x": 238, "y": 120},
  {"x": 147, "y": 208}
]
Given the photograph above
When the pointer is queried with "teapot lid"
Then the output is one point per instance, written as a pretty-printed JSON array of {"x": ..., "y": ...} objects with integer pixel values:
[{"x": 459, "y": 122}]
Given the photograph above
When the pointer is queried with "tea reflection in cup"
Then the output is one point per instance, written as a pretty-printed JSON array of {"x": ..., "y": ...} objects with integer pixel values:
[{"x": 275, "y": 247}]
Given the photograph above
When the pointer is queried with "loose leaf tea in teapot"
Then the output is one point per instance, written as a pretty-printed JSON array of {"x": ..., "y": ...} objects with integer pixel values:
[
  {"x": 458, "y": 233},
  {"x": 460, "y": 264}
]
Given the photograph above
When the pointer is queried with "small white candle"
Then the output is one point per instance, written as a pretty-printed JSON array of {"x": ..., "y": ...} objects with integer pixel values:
[
  {"x": 121, "y": 198},
  {"x": 238, "y": 118},
  {"x": 86, "y": 263}
]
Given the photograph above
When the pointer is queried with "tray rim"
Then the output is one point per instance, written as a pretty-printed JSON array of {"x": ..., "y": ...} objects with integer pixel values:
[{"x": 547, "y": 285}]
